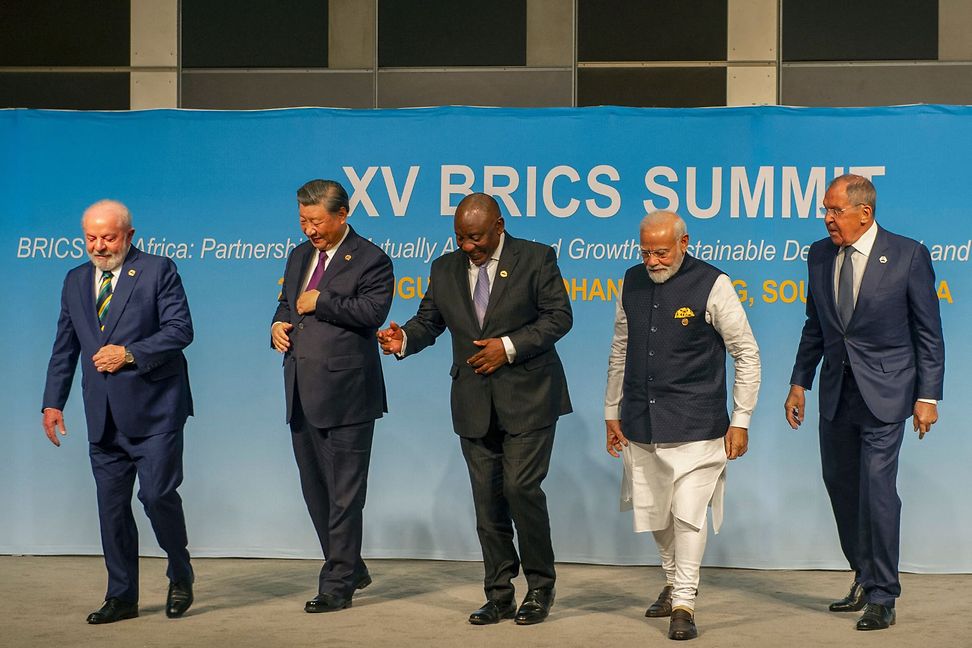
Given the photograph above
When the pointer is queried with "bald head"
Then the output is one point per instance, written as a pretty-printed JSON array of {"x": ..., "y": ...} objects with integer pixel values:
[
  {"x": 478, "y": 225},
  {"x": 664, "y": 240}
]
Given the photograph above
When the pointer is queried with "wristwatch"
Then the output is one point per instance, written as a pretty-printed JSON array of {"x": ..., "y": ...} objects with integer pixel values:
[{"x": 129, "y": 358}]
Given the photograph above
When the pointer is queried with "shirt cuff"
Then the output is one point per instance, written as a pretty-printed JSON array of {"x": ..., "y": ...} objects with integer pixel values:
[
  {"x": 930, "y": 401},
  {"x": 612, "y": 412},
  {"x": 508, "y": 345},
  {"x": 740, "y": 419},
  {"x": 401, "y": 354}
]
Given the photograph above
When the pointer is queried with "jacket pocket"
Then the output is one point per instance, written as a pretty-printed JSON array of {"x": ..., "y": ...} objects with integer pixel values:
[{"x": 341, "y": 363}]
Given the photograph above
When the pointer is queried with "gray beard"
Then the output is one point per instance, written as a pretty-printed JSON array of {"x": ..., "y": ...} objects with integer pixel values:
[{"x": 662, "y": 277}]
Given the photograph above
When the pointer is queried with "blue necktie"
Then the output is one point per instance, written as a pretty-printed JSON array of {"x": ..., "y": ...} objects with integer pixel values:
[
  {"x": 845, "y": 287},
  {"x": 481, "y": 293}
]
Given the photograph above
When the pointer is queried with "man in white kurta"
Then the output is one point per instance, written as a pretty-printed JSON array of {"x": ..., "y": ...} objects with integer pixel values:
[{"x": 665, "y": 403}]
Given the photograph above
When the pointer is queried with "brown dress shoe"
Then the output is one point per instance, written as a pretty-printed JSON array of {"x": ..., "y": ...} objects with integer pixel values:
[
  {"x": 663, "y": 606},
  {"x": 682, "y": 625},
  {"x": 853, "y": 602}
]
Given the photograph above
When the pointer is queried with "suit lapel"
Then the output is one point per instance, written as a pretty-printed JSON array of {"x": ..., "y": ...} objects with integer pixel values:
[
  {"x": 826, "y": 279},
  {"x": 504, "y": 270},
  {"x": 461, "y": 275},
  {"x": 131, "y": 272},
  {"x": 295, "y": 283},
  {"x": 88, "y": 297},
  {"x": 873, "y": 273}
]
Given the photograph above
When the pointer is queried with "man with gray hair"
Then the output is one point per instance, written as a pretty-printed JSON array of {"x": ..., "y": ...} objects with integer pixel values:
[
  {"x": 665, "y": 403},
  {"x": 125, "y": 318}
]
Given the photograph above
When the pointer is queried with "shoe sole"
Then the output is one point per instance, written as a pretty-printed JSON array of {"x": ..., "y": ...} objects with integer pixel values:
[
  {"x": 129, "y": 615},
  {"x": 530, "y": 621},
  {"x": 477, "y": 621}
]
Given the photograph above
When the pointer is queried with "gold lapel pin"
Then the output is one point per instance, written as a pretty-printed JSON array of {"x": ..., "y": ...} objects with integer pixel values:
[
  {"x": 347, "y": 257},
  {"x": 131, "y": 273},
  {"x": 883, "y": 259},
  {"x": 504, "y": 274}
]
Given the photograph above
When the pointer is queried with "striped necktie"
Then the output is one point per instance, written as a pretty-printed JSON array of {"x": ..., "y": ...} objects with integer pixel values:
[{"x": 104, "y": 298}]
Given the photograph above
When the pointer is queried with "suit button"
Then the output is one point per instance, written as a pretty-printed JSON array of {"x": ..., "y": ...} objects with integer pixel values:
[
  {"x": 654, "y": 305},
  {"x": 651, "y": 402},
  {"x": 650, "y": 378},
  {"x": 300, "y": 326},
  {"x": 651, "y": 353},
  {"x": 654, "y": 329}
]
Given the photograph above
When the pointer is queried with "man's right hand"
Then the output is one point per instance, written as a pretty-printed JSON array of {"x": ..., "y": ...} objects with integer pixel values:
[
  {"x": 279, "y": 337},
  {"x": 390, "y": 339},
  {"x": 795, "y": 406},
  {"x": 616, "y": 441},
  {"x": 53, "y": 419}
]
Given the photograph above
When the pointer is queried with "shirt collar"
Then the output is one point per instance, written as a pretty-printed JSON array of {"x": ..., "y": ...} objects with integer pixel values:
[{"x": 866, "y": 242}]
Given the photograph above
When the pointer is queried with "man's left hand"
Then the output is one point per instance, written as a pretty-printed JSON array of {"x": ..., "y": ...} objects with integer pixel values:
[
  {"x": 109, "y": 359},
  {"x": 925, "y": 415},
  {"x": 491, "y": 356},
  {"x": 307, "y": 302},
  {"x": 737, "y": 442}
]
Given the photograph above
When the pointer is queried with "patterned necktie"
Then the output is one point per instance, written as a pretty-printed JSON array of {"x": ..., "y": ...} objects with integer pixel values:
[
  {"x": 845, "y": 287},
  {"x": 104, "y": 298},
  {"x": 481, "y": 292},
  {"x": 315, "y": 277}
]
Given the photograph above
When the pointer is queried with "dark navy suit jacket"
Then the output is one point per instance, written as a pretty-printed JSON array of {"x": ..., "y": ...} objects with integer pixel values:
[
  {"x": 333, "y": 361},
  {"x": 894, "y": 340},
  {"x": 149, "y": 316}
]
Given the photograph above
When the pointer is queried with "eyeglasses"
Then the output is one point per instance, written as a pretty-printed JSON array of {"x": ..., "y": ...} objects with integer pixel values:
[
  {"x": 661, "y": 255},
  {"x": 837, "y": 211}
]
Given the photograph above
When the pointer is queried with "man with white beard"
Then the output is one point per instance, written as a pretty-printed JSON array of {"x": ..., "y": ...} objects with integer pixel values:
[
  {"x": 665, "y": 403},
  {"x": 125, "y": 319}
]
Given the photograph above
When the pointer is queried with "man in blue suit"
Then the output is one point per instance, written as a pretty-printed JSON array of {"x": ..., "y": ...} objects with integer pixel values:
[
  {"x": 126, "y": 317},
  {"x": 873, "y": 316},
  {"x": 337, "y": 291}
]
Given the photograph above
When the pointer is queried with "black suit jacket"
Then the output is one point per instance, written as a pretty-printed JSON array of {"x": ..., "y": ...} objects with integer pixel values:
[
  {"x": 333, "y": 361},
  {"x": 528, "y": 303}
]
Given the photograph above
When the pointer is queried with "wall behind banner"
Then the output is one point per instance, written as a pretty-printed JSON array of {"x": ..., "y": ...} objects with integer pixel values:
[{"x": 216, "y": 192}]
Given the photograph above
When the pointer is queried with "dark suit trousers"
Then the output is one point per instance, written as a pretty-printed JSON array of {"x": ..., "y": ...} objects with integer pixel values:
[
  {"x": 157, "y": 461},
  {"x": 506, "y": 471},
  {"x": 333, "y": 466},
  {"x": 859, "y": 454}
]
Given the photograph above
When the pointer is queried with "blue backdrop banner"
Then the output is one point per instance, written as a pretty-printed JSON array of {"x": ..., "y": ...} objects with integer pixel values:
[{"x": 216, "y": 192}]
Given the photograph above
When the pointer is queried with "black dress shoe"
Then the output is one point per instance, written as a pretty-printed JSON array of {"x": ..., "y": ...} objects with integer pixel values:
[
  {"x": 682, "y": 625},
  {"x": 362, "y": 580},
  {"x": 492, "y": 611},
  {"x": 876, "y": 617},
  {"x": 535, "y": 606},
  {"x": 179, "y": 599},
  {"x": 327, "y": 603},
  {"x": 663, "y": 606},
  {"x": 113, "y": 610},
  {"x": 853, "y": 602}
]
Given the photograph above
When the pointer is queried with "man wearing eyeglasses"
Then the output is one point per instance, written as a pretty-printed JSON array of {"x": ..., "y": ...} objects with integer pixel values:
[
  {"x": 665, "y": 403},
  {"x": 873, "y": 316}
]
